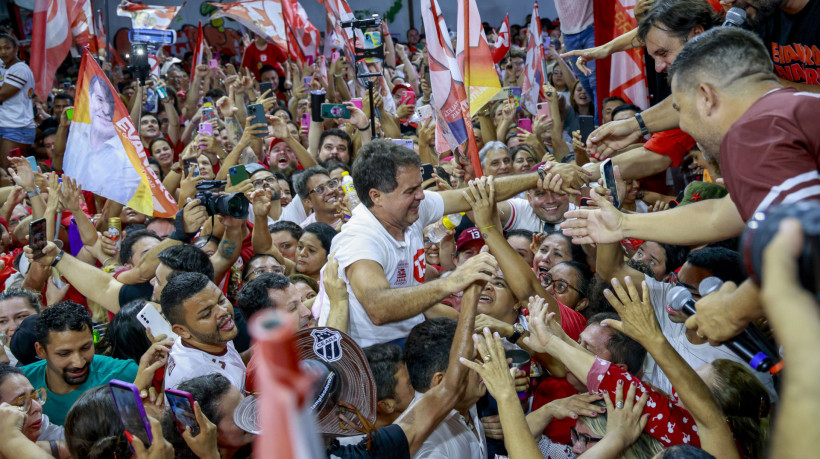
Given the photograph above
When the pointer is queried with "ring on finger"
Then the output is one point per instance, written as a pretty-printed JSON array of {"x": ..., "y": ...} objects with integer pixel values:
[
  {"x": 487, "y": 357},
  {"x": 619, "y": 405}
]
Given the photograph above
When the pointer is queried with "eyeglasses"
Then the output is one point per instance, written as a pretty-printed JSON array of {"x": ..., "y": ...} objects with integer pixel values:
[
  {"x": 556, "y": 71},
  {"x": 278, "y": 269},
  {"x": 24, "y": 401},
  {"x": 584, "y": 438},
  {"x": 560, "y": 285},
  {"x": 330, "y": 185},
  {"x": 262, "y": 182},
  {"x": 674, "y": 280},
  {"x": 429, "y": 243}
]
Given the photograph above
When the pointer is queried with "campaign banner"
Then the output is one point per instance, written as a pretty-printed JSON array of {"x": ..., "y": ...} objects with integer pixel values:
[
  {"x": 104, "y": 152},
  {"x": 148, "y": 16},
  {"x": 474, "y": 57}
]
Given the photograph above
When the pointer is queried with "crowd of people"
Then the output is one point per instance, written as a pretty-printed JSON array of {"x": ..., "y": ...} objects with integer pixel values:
[{"x": 525, "y": 308}]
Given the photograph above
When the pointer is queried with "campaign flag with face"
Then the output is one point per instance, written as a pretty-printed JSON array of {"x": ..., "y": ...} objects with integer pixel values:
[
  {"x": 534, "y": 69},
  {"x": 104, "y": 152},
  {"x": 262, "y": 17},
  {"x": 148, "y": 16},
  {"x": 502, "y": 41},
  {"x": 449, "y": 93},
  {"x": 474, "y": 58}
]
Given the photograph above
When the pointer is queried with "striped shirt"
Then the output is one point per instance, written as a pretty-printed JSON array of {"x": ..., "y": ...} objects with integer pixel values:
[{"x": 18, "y": 111}]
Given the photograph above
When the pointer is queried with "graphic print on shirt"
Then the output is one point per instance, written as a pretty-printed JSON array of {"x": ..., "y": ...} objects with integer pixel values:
[
  {"x": 796, "y": 62},
  {"x": 401, "y": 274},
  {"x": 419, "y": 266}
]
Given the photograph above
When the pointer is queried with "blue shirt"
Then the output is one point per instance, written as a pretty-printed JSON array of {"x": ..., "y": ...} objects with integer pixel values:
[{"x": 103, "y": 369}]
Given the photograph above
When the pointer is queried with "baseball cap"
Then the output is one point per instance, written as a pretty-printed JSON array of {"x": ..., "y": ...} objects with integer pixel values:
[{"x": 469, "y": 237}]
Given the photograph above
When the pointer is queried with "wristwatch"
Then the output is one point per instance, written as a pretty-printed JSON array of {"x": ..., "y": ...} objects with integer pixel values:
[
  {"x": 60, "y": 257},
  {"x": 518, "y": 331},
  {"x": 33, "y": 193}
]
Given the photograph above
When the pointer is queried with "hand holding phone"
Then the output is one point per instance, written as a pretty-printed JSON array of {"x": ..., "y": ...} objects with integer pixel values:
[
  {"x": 181, "y": 404},
  {"x": 37, "y": 237},
  {"x": 264, "y": 87},
  {"x": 525, "y": 124},
  {"x": 587, "y": 124},
  {"x": 191, "y": 167},
  {"x": 608, "y": 179},
  {"x": 257, "y": 113},
  {"x": 131, "y": 410},
  {"x": 149, "y": 317},
  {"x": 238, "y": 174}
]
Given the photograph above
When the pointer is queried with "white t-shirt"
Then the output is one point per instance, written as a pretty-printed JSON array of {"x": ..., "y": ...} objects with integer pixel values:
[
  {"x": 18, "y": 111},
  {"x": 453, "y": 437},
  {"x": 364, "y": 238},
  {"x": 186, "y": 362},
  {"x": 294, "y": 211},
  {"x": 523, "y": 217},
  {"x": 696, "y": 355}
]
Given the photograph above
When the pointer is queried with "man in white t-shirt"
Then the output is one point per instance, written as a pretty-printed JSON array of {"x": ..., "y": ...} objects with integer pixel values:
[
  {"x": 380, "y": 250},
  {"x": 203, "y": 318},
  {"x": 541, "y": 212}
]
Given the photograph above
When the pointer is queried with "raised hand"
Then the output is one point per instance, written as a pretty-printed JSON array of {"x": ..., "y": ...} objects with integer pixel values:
[
  {"x": 613, "y": 136},
  {"x": 480, "y": 268},
  {"x": 204, "y": 444},
  {"x": 494, "y": 370},
  {"x": 261, "y": 201},
  {"x": 586, "y": 55},
  {"x": 70, "y": 194},
  {"x": 602, "y": 225},
  {"x": 625, "y": 419},
  {"x": 541, "y": 335},
  {"x": 480, "y": 194},
  {"x": 638, "y": 318}
]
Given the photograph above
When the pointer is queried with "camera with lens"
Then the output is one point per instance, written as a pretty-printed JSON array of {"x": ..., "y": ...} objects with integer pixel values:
[
  {"x": 762, "y": 227},
  {"x": 140, "y": 66},
  {"x": 209, "y": 193}
]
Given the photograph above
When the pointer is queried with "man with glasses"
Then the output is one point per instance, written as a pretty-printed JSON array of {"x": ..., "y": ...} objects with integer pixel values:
[
  {"x": 259, "y": 264},
  {"x": 320, "y": 194},
  {"x": 264, "y": 179},
  {"x": 700, "y": 264}
]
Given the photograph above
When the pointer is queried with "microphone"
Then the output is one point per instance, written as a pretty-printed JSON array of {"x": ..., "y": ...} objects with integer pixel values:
[
  {"x": 709, "y": 285},
  {"x": 735, "y": 17},
  {"x": 750, "y": 345}
]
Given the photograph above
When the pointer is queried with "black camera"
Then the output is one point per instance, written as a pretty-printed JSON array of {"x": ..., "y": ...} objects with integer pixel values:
[
  {"x": 762, "y": 227},
  {"x": 140, "y": 66},
  {"x": 234, "y": 205}
]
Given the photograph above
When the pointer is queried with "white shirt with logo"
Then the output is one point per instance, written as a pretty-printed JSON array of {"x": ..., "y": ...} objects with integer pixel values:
[{"x": 364, "y": 238}]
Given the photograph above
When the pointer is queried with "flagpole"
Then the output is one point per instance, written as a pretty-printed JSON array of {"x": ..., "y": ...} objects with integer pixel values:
[{"x": 466, "y": 31}]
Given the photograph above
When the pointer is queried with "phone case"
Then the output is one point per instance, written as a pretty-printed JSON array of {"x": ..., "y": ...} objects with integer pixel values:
[
  {"x": 37, "y": 237},
  {"x": 257, "y": 111},
  {"x": 335, "y": 111},
  {"x": 131, "y": 410},
  {"x": 238, "y": 174},
  {"x": 149, "y": 317},
  {"x": 306, "y": 120},
  {"x": 33, "y": 161},
  {"x": 181, "y": 404},
  {"x": 525, "y": 124},
  {"x": 357, "y": 102},
  {"x": 206, "y": 128},
  {"x": 608, "y": 178}
]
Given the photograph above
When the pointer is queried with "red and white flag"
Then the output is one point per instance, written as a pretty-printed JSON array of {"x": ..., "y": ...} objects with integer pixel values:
[
  {"x": 82, "y": 28},
  {"x": 502, "y": 41},
  {"x": 449, "y": 93},
  {"x": 199, "y": 51},
  {"x": 148, "y": 16},
  {"x": 534, "y": 69},
  {"x": 303, "y": 36},
  {"x": 51, "y": 39},
  {"x": 622, "y": 74},
  {"x": 262, "y": 17},
  {"x": 99, "y": 27}
]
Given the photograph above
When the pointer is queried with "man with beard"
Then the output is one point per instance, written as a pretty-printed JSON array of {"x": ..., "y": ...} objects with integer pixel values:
[
  {"x": 204, "y": 320},
  {"x": 68, "y": 366},
  {"x": 317, "y": 193},
  {"x": 658, "y": 260},
  {"x": 281, "y": 157},
  {"x": 731, "y": 102}
]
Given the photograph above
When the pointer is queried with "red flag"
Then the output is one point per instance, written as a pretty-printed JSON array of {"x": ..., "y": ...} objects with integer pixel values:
[
  {"x": 82, "y": 28},
  {"x": 199, "y": 51},
  {"x": 502, "y": 41},
  {"x": 622, "y": 74},
  {"x": 99, "y": 27},
  {"x": 303, "y": 37},
  {"x": 51, "y": 40}
]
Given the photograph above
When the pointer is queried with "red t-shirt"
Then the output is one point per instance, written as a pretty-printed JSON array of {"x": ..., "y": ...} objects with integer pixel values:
[
  {"x": 254, "y": 58},
  {"x": 771, "y": 154},
  {"x": 673, "y": 143}
]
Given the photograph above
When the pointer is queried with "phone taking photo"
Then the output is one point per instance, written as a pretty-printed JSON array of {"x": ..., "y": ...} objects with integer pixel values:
[
  {"x": 608, "y": 177},
  {"x": 264, "y": 87},
  {"x": 238, "y": 174},
  {"x": 37, "y": 237},
  {"x": 525, "y": 124},
  {"x": 131, "y": 410},
  {"x": 587, "y": 124},
  {"x": 191, "y": 167},
  {"x": 181, "y": 404},
  {"x": 257, "y": 113}
]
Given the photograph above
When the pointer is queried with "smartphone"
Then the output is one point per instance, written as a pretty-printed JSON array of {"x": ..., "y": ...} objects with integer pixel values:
[
  {"x": 238, "y": 174},
  {"x": 525, "y": 124},
  {"x": 266, "y": 86},
  {"x": 424, "y": 112},
  {"x": 587, "y": 123},
  {"x": 131, "y": 410},
  {"x": 15, "y": 153},
  {"x": 208, "y": 113},
  {"x": 426, "y": 172},
  {"x": 335, "y": 111},
  {"x": 586, "y": 202},
  {"x": 149, "y": 317},
  {"x": 306, "y": 81},
  {"x": 257, "y": 112},
  {"x": 543, "y": 109},
  {"x": 213, "y": 63},
  {"x": 608, "y": 177},
  {"x": 37, "y": 237},
  {"x": 163, "y": 93},
  {"x": 207, "y": 100},
  {"x": 206, "y": 128},
  {"x": 181, "y": 404},
  {"x": 69, "y": 113},
  {"x": 33, "y": 161},
  {"x": 66, "y": 85},
  {"x": 306, "y": 120},
  {"x": 406, "y": 143},
  {"x": 408, "y": 98},
  {"x": 357, "y": 102},
  {"x": 191, "y": 167}
]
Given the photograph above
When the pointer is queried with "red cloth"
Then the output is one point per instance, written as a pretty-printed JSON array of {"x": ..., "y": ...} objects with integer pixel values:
[
  {"x": 254, "y": 59},
  {"x": 673, "y": 143},
  {"x": 572, "y": 321},
  {"x": 550, "y": 389},
  {"x": 668, "y": 423},
  {"x": 247, "y": 246}
]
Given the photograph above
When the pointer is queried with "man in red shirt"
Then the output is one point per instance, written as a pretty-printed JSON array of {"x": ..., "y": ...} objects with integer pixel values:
[{"x": 260, "y": 53}]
